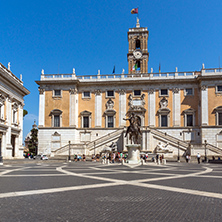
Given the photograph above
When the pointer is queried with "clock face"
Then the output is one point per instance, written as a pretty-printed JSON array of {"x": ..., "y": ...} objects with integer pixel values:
[{"x": 137, "y": 54}]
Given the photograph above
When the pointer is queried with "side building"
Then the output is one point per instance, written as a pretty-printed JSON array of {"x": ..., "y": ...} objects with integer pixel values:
[
  {"x": 12, "y": 92},
  {"x": 181, "y": 110}
]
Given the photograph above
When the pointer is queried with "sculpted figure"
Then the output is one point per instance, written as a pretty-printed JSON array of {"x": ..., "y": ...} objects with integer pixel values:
[{"x": 133, "y": 129}]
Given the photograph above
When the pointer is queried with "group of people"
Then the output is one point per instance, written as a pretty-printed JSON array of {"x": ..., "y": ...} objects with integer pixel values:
[
  {"x": 78, "y": 157},
  {"x": 114, "y": 157}
]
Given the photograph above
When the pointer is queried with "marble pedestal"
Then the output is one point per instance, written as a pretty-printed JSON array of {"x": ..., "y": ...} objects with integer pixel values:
[{"x": 133, "y": 153}]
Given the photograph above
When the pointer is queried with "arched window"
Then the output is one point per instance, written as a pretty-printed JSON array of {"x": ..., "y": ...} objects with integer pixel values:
[
  {"x": 56, "y": 117},
  {"x": 189, "y": 117},
  {"x": 85, "y": 119},
  {"x": 137, "y": 44}
]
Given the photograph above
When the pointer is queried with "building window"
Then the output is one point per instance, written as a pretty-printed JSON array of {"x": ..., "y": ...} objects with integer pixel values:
[
  {"x": 86, "y": 94},
  {"x": 137, "y": 44},
  {"x": 86, "y": 119},
  {"x": 220, "y": 119},
  {"x": 189, "y": 120},
  {"x": 56, "y": 115},
  {"x": 110, "y": 93},
  {"x": 14, "y": 113},
  {"x": 164, "y": 92},
  {"x": 56, "y": 121},
  {"x": 110, "y": 121},
  {"x": 57, "y": 93},
  {"x": 137, "y": 93},
  {"x": 189, "y": 117},
  {"x": 218, "y": 112},
  {"x": 219, "y": 89},
  {"x": 188, "y": 92},
  {"x": 164, "y": 122},
  {"x": 164, "y": 117}
]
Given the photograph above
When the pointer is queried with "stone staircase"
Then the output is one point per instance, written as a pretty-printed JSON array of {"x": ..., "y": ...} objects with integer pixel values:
[
  {"x": 173, "y": 141},
  {"x": 90, "y": 146}
]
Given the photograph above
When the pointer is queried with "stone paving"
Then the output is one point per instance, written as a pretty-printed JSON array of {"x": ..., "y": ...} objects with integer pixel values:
[{"x": 85, "y": 191}]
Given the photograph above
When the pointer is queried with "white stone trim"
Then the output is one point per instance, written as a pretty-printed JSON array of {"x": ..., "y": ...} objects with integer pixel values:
[
  {"x": 176, "y": 109},
  {"x": 151, "y": 107},
  {"x": 42, "y": 107},
  {"x": 98, "y": 110},
  {"x": 204, "y": 105}
]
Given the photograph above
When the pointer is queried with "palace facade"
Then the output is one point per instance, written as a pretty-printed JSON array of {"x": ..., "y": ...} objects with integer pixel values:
[
  {"x": 12, "y": 92},
  {"x": 180, "y": 110}
]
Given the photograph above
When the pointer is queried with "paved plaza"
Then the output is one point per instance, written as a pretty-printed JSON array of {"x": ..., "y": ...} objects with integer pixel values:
[{"x": 86, "y": 191}]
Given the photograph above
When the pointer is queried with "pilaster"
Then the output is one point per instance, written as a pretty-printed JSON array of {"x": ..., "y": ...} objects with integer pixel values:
[
  {"x": 98, "y": 108},
  {"x": 122, "y": 107},
  {"x": 151, "y": 107},
  {"x": 41, "y": 107},
  {"x": 204, "y": 105},
  {"x": 9, "y": 122},
  {"x": 176, "y": 107},
  {"x": 73, "y": 108}
]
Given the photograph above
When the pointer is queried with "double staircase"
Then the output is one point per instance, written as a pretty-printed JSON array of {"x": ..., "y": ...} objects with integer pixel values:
[
  {"x": 90, "y": 146},
  {"x": 97, "y": 145}
]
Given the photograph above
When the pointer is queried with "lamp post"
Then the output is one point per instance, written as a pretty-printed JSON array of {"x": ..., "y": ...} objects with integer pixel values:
[
  {"x": 69, "y": 152},
  {"x": 1, "y": 158},
  {"x": 205, "y": 147},
  {"x": 178, "y": 157}
]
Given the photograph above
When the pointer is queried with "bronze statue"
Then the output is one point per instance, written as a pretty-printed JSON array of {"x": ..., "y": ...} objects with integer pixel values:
[{"x": 134, "y": 129}]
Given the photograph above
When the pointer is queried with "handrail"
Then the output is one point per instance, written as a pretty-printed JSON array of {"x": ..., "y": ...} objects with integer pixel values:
[
  {"x": 104, "y": 138},
  {"x": 214, "y": 148},
  {"x": 173, "y": 139}
]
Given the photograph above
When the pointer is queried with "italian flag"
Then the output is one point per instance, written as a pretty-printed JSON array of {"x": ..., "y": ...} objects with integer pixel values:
[{"x": 134, "y": 67}]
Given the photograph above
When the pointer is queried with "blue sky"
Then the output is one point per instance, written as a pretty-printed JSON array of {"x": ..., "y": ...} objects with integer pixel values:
[{"x": 88, "y": 35}]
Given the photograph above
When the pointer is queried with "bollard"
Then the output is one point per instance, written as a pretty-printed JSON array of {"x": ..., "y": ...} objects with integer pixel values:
[
  {"x": 164, "y": 161},
  {"x": 122, "y": 162},
  {"x": 158, "y": 162}
]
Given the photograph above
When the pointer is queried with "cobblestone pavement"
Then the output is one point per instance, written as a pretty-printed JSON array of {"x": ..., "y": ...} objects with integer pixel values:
[{"x": 83, "y": 191}]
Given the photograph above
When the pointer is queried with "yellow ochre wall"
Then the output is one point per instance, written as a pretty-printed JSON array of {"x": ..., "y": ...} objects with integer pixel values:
[
  {"x": 188, "y": 102},
  {"x": 87, "y": 104},
  {"x": 57, "y": 103},
  {"x": 214, "y": 100}
]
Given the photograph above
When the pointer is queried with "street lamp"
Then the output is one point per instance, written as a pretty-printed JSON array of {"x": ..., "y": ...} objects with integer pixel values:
[
  {"x": 178, "y": 157},
  {"x": 205, "y": 147},
  {"x": 1, "y": 158},
  {"x": 69, "y": 152}
]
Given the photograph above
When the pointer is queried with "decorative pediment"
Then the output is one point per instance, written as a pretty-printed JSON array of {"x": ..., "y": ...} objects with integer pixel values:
[
  {"x": 189, "y": 111},
  {"x": 55, "y": 112},
  {"x": 55, "y": 134},
  {"x": 85, "y": 113},
  {"x": 164, "y": 110}
]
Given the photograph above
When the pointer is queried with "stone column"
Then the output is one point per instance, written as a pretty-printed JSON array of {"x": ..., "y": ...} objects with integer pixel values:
[
  {"x": 9, "y": 121},
  {"x": 73, "y": 108},
  {"x": 122, "y": 107},
  {"x": 98, "y": 108},
  {"x": 176, "y": 107},
  {"x": 151, "y": 107},
  {"x": 204, "y": 105},
  {"x": 41, "y": 107},
  {"x": 20, "y": 140}
]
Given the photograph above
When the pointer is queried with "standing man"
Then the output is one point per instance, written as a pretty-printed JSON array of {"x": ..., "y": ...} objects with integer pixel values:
[{"x": 198, "y": 158}]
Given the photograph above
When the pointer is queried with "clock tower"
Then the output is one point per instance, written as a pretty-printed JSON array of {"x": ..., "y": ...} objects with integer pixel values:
[{"x": 138, "y": 51}]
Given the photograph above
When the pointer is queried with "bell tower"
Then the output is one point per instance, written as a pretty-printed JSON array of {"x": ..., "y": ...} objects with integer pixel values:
[{"x": 138, "y": 55}]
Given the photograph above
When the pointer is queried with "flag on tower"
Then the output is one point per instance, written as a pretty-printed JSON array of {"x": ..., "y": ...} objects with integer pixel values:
[{"x": 134, "y": 11}]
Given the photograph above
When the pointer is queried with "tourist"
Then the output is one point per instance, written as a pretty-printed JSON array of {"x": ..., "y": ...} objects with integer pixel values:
[{"x": 198, "y": 158}]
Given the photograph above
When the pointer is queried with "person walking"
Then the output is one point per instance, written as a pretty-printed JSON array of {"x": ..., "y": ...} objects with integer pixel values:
[{"x": 198, "y": 158}]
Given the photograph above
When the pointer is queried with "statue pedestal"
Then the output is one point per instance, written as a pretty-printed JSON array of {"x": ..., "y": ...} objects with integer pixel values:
[{"x": 133, "y": 153}]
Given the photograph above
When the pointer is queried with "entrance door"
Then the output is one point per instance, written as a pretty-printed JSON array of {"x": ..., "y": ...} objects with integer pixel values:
[{"x": 13, "y": 145}]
